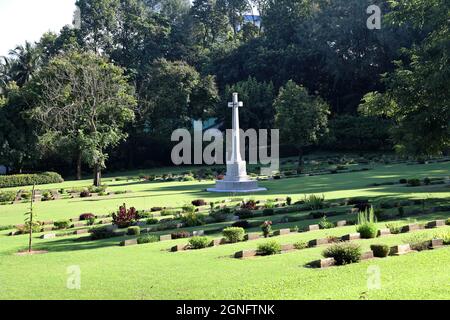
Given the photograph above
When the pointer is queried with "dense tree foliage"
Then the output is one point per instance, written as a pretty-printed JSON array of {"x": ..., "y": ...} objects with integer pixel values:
[{"x": 183, "y": 60}]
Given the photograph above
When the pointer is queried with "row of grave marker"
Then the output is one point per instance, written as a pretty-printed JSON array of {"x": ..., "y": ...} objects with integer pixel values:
[{"x": 349, "y": 237}]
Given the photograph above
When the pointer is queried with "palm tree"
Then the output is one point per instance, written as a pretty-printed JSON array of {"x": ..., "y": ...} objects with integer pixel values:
[
  {"x": 5, "y": 73},
  {"x": 25, "y": 60}
]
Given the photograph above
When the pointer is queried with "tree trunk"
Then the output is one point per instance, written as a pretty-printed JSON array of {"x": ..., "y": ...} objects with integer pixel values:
[
  {"x": 97, "y": 176},
  {"x": 300, "y": 161},
  {"x": 79, "y": 166}
]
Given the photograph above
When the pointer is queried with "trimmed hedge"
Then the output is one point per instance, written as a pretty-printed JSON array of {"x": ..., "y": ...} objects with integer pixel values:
[{"x": 18, "y": 180}]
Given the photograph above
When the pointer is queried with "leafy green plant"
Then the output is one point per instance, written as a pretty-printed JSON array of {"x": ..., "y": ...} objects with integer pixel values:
[
  {"x": 7, "y": 196},
  {"x": 269, "y": 248},
  {"x": 198, "y": 242},
  {"x": 413, "y": 182},
  {"x": 324, "y": 223},
  {"x": 192, "y": 219},
  {"x": 233, "y": 234},
  {"x": 102, "y": 233},
  {"x": 61, "y": 224},
  {"x": 147, "y": 239},
  {"x": 300, "y": 245},
  {"x": 134, "y": 231},
  {"x": 367, "y": 226},
  {"x": 288, "y": 201},
  {"x": 444, "y": 235},
  {"x": 380, "y": 250},
  {"x": 395, "y": 227},
  {"x": 17, "y": 180},
  {"x": 343, "y": 253},
  {"x": 314, "y": 202},
  {"x": 418, "y": 241},
  {"x": 152, "y": 221}
]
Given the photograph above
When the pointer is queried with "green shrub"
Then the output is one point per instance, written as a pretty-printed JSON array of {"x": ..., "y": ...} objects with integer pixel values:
[
  {"x": 147, "y": 239},
  {"x": 3, "y": 228},
  {"x": 314, "y": 202},
  {"x": 380, "y": 250},
  {"x": 7, "y": 196},
  {"x": 94, "y": 189},
  {"x": 198, "y": 242},
  {"x": 394, "y": 227},
  {"x": 418, "y": 241},
  {"x": 269, "y": 205},
  {"x": 102, "y": 233},
  {"x": 444, "y": 235},
  {"x": 343, "y": 253},
  {"x": 367, "y": 226},
  {"x": 325, "y": 224},
  {"x": 168, "y": 212},
  {"x": 300, "y": 245},
  {"x": 269, "y": 248},
  {"x": 447, "y": 222},
  {"x": 152, "y": 221},
  {"x": 192, "y": 219},
  {"x": 35, "y": 226},
  {"x": 61, "y": 224},
  {"x": 134, "y": 231},
  {"x": 18, "y": 180},
  {"x": 233, "y": 234}
]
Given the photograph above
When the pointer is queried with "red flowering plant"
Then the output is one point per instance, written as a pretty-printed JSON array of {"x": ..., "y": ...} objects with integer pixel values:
[
  {"x": 266, "y": 228},
  {"x": 124, "y": 217}
]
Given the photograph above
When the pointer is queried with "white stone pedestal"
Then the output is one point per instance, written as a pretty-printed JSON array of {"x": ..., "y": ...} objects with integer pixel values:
[{"x": 236, "y": 179}]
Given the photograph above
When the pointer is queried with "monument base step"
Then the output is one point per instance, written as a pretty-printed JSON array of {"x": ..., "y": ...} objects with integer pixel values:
[{"x": 236, "y": 186}]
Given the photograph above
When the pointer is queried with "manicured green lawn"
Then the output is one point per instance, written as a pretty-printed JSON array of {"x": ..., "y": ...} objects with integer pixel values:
[
  {"x": 151, "y": 272},
  {"x": 149, "y": 194}
]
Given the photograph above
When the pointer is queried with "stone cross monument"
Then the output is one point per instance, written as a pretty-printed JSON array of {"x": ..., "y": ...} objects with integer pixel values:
[{"x": 236, "y": 179}]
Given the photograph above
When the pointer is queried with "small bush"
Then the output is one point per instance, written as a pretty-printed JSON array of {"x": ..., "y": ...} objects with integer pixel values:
[
  {"x": 413, "y": 182},
  {"x": 314, "y": 202},
  {"x": 18, "y": 180},
  {"x": 101, "y": 233},
  {"x": 266, "y": 228},
  {"x": 447, "y": 222},
  {"x": 199, "y": 203},
  {"x": 233, "y": 234},
  {"x": 394, "y": 227},
  {"x": 367, "y": 226},
  {"x": 147, "y": 239},
  {"x": 86, "y": 216},
  {"x": 134, "y": 231},
  {"x": 268, "y": 212},
  {"x": 300, "y": 245},
  {"x": 143, "y": 214},
  {"x": 198, "y": 242},
  {"x": 192, "y": 219},
  {"x": 7, "y": 196},
  {"x": 380, "y": 250},
  {"x": 269, "y": 205},
  {"x": 444, "y": 235},
  {"x": 418, "y": 242},
  {"x": 168, "y": 212},
  {"x": 35, "y": 227},
  {"x": 403, "y": 181},
  {"x": 95, "y": 189},
  {"x": 325, "y": 224},
  {"x": 180, "y": 235},
  {"x": 343, "y": 253},
  {"x": 151, "y": 221},
  {"x": 124, "y": 217},
  {"x": 61, "y": 224},
  {"x": 269, "y": 248},
  {"x": 426, "y": 181}
]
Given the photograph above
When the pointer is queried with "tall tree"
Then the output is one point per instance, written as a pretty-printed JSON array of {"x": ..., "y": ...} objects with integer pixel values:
[
  {"x": 83, "y": 101},
  {"x": 418, "y": 91},
  {"x": 25, "y": 61},
  {"x": 301, "y": 118}
]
